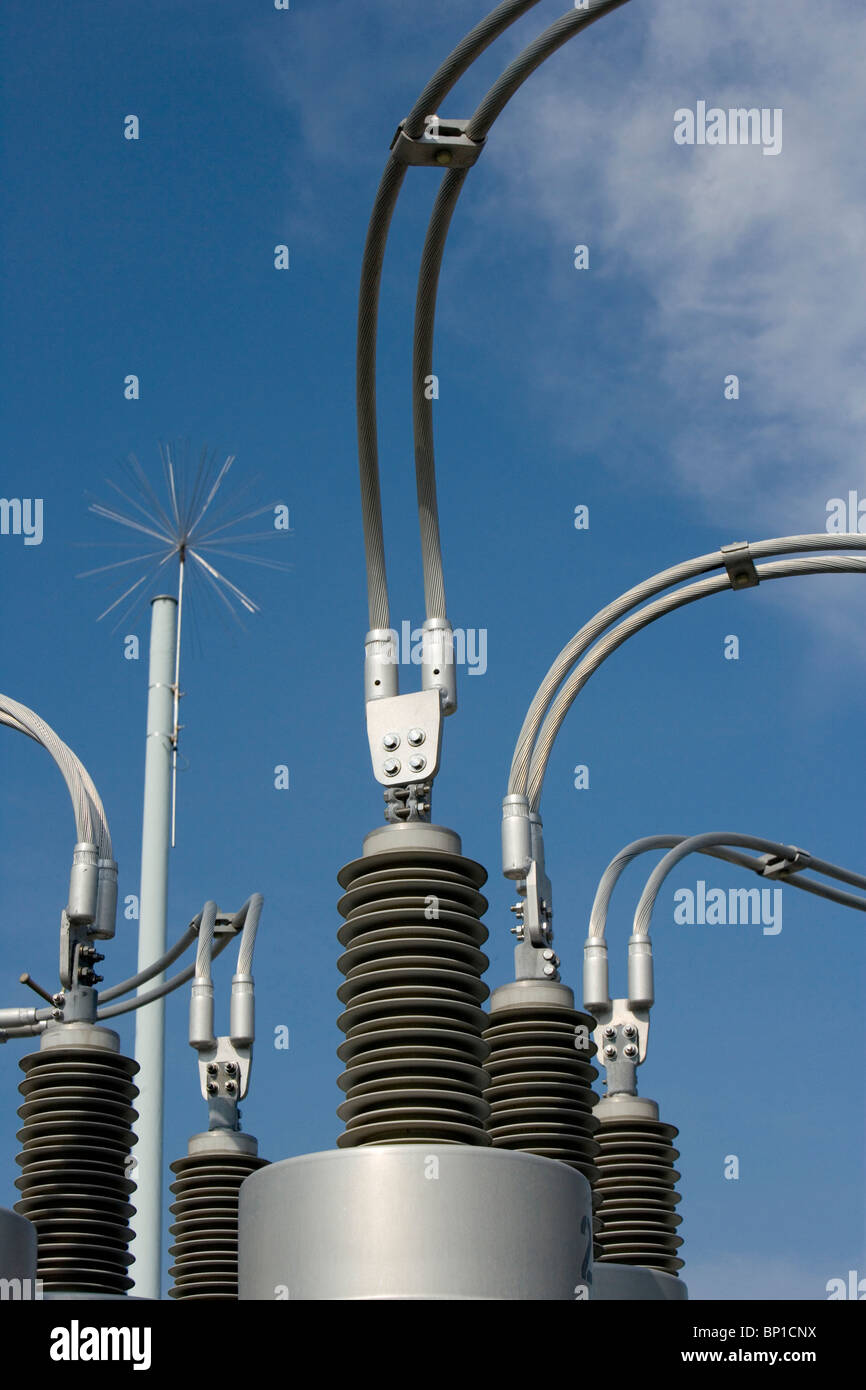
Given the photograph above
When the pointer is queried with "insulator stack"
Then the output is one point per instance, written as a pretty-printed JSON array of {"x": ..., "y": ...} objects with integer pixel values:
[
  {"x": 636, "y": 1184},
  {"x": 540, "y": 1093},
  {"x": 75, "y": 1183},
  {"x": 207, "y": 1189},
  {"x": 414, "y": 1048}
]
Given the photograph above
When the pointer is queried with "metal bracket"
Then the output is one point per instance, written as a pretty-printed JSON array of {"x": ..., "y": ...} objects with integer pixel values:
[
  {"x": 621, "y": 1037},
  {"x": 740, "y": 565},
  {"x": 224, "y": 1070},
  {"x": 775, "y": 867},
  {"x": 405, "y": 733},
  {"x": 444, "y": 143},
  {"x": 534, "y": 929}
]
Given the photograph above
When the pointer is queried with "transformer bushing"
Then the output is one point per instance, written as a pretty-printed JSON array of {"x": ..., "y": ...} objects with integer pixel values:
[
  {"x": 540, "y": 1093},
  {"x": 205, "y": 1209},
  {"x": 17, "y": 1249},
  {"x": 414, "y": 1049},
  {"x": 415, "y": 1221},
  {"x": 75, "y": 1159},
  {"x": 414, "y": 1203},
  {"x": 636, "y": 1184}
]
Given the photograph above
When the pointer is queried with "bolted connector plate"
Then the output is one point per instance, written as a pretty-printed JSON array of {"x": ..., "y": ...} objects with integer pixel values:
[
  {"x": 225, "y": 1067},
  {"x": 630, "y": 1030},
  {"x": 444, "y": 144},
  {"x": 405, "y": 734}
]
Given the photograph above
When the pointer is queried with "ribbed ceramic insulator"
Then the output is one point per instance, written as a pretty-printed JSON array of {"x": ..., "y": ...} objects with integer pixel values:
[
  {"x": 540, "y": 1091},
  {"x": 207, "y": 1189},
  {"x": 414, "y": 1050},
  {"x": 638, "y": 1202},
  {"x": 75, "y": 1181}
]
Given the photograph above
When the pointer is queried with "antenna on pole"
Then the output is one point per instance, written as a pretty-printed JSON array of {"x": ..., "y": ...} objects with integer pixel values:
[{"x": 194, "y": 525}]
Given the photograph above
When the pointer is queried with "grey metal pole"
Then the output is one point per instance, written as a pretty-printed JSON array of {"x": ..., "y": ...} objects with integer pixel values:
[{"x": 153, "y": 904}]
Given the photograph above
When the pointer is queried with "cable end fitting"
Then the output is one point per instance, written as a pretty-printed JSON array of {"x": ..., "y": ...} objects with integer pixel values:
[
  {"x": 438, "y": 671},
  {"x": 242, "y": 1015},
  {"x": 106, "y": 901},
  {"x": 381, "y": 677},
  {"x": 83, "y": 884},
  {"x": 516, "y": 836},
  {"x": 596, "y": 980},
  {"x": 641, "y": 990},
  {"x": 201, "y": 1033}
]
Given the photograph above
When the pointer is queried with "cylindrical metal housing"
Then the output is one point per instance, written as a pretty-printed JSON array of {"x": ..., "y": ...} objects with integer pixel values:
[
  {"x": 381, "y": 678},
  {"x": 636, "y": 1182},
  {"x": 76, "y": 1142},
  {"x": 414, "y": 1221},
  {"x": 596, "y": 978},
  {"x": 516, "y": 836},
  {"x": 106, "y": 901},
  {"x": 205, "y": 1209},
  {"x": 83, "y": 883},
  {"x": 438, "y": 670},
  {"x": 242, "y": 1015},
  {"x": 641, "y": 987},
  {"x": 17, "y": 1248},
  {"x": 414, "y": 1050}
]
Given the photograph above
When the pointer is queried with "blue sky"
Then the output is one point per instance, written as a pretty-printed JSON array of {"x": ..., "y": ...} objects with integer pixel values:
[{"x": 557, "y": 387}]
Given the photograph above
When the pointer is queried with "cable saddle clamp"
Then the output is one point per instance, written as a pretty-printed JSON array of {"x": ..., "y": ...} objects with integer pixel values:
[
  {"x": 444, "y": 143},
  {"x": 740, "y": 565}
]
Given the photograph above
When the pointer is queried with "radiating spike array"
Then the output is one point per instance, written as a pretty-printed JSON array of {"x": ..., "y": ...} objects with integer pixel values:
[
  {"x": 414, "y": 1048},
  {"x": 75, "y": 1181}
]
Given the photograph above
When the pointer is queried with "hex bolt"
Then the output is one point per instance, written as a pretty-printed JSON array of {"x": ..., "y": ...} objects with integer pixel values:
[
  {"x": 416, "y": 737},
  {"x": 630, "y": 1050},
  {"x": 391, "y": 741},
  {"x": 391, "y": 767},
  {"x": 549, "y": 969},
  {"x": 629, "y": 1030},
  {"x": 212, "y": 1068},
  {"x": 610, "y": 1051},
  {"x": 231, "y": 1068},
  {"x": 231, "y": 1087},
  {"x": 211, "y": 1088},
  {"x": 549, "y": 955},
  {"x": 417, "y": 763},
  {"x": 610, "y": 1032}
]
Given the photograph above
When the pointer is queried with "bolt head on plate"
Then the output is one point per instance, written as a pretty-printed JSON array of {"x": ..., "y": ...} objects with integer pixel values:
[{"x": 391, "y": 767}]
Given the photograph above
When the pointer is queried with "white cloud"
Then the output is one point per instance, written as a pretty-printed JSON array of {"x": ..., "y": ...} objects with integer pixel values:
[{"x": 750, "y": 264}]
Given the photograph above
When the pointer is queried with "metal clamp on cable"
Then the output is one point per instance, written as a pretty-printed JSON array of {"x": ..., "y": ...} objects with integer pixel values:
[
  {"x": 776, "y": 867},
  {"x": 740, "y": 565},
  {"x": 444, "y": 143}
]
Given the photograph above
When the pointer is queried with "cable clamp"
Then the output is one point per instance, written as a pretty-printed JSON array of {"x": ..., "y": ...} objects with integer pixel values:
[
  {"x": 444, "y": 144},
  {"x": 776, "y": 867},
  {"x": 740, "y": 565}
]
